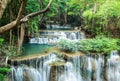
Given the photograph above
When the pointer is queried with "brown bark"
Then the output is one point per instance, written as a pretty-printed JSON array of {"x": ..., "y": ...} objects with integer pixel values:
[
  {"x": 17, "y": 21},
  {"x": 31, "y": 15},
  {"x": 10, "y": 37},
  {"x": 41, "y": 3},
  {"x": 3, "y": 5},
  {"x": 26, "y": 18},
  {"x": 8, "y": 26},
  {"x": 21, "y": 38},
  {"x": 11, "y": 32}
]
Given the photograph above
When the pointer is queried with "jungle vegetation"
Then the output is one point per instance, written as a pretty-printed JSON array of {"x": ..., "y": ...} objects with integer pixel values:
[
  {"x": 98, "y": 45},
  {"x": 95, "y": 17},
  {"x": 20, "y": 18}
]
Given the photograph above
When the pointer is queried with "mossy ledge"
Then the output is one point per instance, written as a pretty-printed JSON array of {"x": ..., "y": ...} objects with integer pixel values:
[{"x": 65, "y": 55}]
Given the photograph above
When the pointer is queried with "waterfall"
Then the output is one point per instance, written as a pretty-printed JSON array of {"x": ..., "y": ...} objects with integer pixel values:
[
  {"x": 34, "y": 70},
  {"x": 99, "y": 63},
  {"x": 113, "y": 67},
  {"x": 62, "y": 35},
  {"x": 72, "y": 70},
  {"x": 76, "y": 68},
  {"x": 52, "y": 37},
  {"x": 56, "y": 27},
  {"x": 69, "y": 73},
  {"x": 73, "y": 36},
  {"x": 89, "y": 68}
]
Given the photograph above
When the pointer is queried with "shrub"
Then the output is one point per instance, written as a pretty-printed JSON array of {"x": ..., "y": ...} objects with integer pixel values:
[
  {"x": 2, "y": 77},
  {"x": 1, "y": 41},
  {"x": 8, "y": 50},
  {"x": 99, "y": 44},
  {"x": 3, "y": 72},
  {"x": 67, "y": 45}
]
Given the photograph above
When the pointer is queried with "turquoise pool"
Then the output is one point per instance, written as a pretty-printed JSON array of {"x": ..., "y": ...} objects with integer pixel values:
[{"x": 29, "y": 48}]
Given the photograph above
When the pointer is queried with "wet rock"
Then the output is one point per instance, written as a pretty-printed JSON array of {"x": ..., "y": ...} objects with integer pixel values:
[{"x": 55, "y": 72}]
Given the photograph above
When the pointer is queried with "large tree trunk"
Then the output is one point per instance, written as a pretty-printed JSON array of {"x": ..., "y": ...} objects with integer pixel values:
[{"x": 3, "y": 5}]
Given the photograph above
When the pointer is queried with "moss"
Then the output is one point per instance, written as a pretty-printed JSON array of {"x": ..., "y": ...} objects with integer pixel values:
[{"x": 57, "y": 63}]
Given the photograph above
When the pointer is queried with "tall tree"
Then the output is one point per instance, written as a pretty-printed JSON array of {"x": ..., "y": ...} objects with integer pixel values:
[{"x": 3, "y": 5}]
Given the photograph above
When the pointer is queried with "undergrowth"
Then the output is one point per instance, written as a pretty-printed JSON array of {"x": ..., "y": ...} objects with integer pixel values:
[{"x": 100, "y": 44}]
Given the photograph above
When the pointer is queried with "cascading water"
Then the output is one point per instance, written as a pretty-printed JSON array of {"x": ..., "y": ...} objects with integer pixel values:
[
  {"x": 77, "y": 68},
  {"x": 48, "y": 37},
  {"x": 34, "y": 70},
  {"x": 69, "y": 73},
  {"x": 99, "y": 63},
  {"x": 72, "y": 70},
  {"x": 72, "y": 36},
  {"x": 88, "y": 68},
  {"x": 113, "y": 67},
  {"x": 53, "y": 37}
]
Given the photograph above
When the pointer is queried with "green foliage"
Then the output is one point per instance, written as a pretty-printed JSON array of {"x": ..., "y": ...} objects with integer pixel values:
[
  {"x": 109, "y": 9},
  {"x": 118, "y": 42},
  {"x": 1, "y": 41},
  {"x": 8, "y": 50},
  {"x": 47, "y": 49},
  {"x": 99, "y": 44},
  {"x": 32, "y": 6},
  {"x": 2, "y": 77},
  {"x": 100, "y": 14},
  {"x": 34, "y": 25},
  {"x": 88, "y": 14},
  {"x": 3, "y": 72},
  {"x": 96, "y": 14},
  {"x": 67, "y": 45}
]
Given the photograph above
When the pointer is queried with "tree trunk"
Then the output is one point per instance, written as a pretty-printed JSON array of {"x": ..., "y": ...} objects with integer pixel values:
[
  {"x": 21, "y": 38},
  {"x": 11, "y": 31},
  {"x": 17, "y": 21},
  {"x": 25, "y": 19},
  {"x": 3, "y": 5},
  {"x": 10, "y": 37}
]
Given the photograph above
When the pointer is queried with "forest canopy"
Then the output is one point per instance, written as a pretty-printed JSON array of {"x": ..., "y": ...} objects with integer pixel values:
[{"x": 98, "y": 16}]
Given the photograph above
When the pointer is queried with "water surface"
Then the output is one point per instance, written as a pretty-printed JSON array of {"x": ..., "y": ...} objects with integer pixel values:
[{"x": 29, "y": 48}]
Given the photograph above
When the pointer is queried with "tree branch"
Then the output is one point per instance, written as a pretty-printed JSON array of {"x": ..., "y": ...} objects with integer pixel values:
[
  {"x": 21, "y": 10},
  {"x": 26, "y": 18},
  {"x": 17, "y": 21},
  {"x": 31, "y": 15},
  {"x": 3, "y": 5}
]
